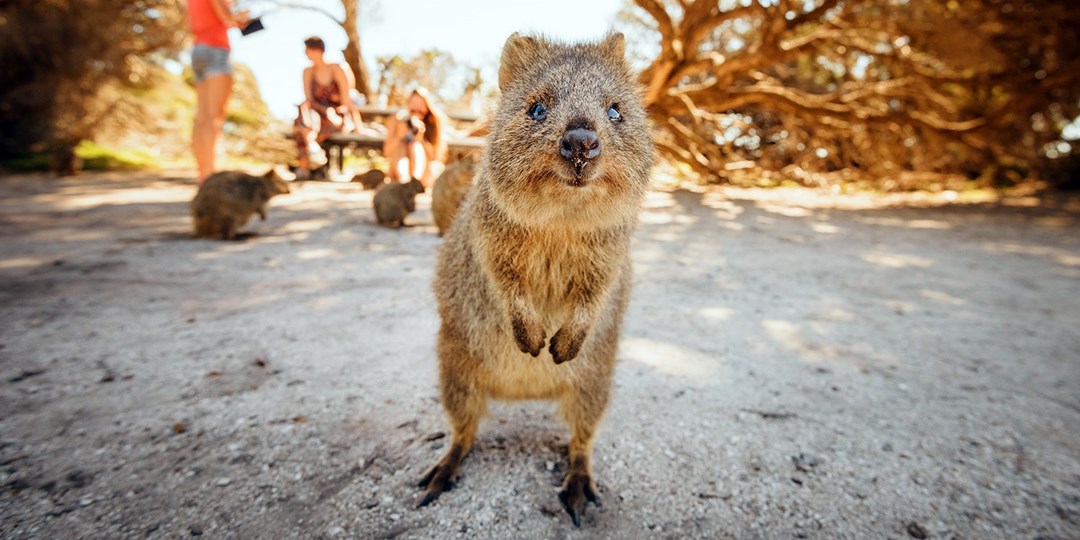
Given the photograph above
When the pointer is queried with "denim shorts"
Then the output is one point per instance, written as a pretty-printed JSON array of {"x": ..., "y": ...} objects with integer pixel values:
[{"x": 207, "y": 61}]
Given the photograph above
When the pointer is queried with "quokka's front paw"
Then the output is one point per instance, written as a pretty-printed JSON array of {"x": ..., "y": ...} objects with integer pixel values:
[
  {"x": 528, "y": 335},
  {"x": 566, "y": 344}
]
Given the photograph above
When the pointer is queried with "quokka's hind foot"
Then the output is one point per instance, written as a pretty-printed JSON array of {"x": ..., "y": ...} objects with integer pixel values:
[
  {"x": 578, "y": 490},
  {"x": 583, "y": 413},
  {"x": 441, "y": 477},
  {"x": 464, "y": 405}
]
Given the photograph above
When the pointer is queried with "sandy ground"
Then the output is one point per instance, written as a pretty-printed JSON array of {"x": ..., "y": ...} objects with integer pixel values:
[{"x": 792, "y": 366}]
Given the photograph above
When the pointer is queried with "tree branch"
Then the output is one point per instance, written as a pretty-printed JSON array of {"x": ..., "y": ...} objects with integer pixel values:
[{"x": 306, "y": 7}]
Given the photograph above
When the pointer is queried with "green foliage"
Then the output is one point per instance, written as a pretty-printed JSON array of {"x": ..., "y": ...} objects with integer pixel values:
[
  {"x": 58, "y": 55},
  {"x": 99, "y": 158},
  {"x": 94, "y": 158},
  {"x": 149, "y": 126},
  {"x": 35, "y": 162},
  {"x": 246, "y": 106}
]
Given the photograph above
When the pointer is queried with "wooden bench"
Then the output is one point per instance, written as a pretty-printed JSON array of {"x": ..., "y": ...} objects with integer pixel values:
[
  {"x": 373, "y": 116},
  {"x": 336, "y": 143},
  {"x": 368, "y": 112}
]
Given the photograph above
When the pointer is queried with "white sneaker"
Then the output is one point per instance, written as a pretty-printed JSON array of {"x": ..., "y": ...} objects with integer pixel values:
[{"x": 316, "y": 155}]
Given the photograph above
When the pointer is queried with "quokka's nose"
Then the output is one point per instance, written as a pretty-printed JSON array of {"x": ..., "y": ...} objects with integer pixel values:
[{"x": 579, "y": 144}]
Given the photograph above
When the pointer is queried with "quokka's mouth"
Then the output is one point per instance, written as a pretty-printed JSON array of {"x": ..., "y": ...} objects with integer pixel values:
[
  {"x": 579, "y": 165},
  {"x": 578, "y": 173}
]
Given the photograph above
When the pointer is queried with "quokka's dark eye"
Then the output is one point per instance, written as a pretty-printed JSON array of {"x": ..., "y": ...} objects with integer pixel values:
[
  {"x": 613, "y": 113},
  {"x": 538, "y": 111}
]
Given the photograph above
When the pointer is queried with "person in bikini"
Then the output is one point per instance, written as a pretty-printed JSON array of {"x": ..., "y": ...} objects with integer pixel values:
[{"x": 327, "y": 108}]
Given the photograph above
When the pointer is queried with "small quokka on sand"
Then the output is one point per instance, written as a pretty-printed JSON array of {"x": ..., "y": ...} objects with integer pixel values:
[
  {"x": 534, "y": 276},
  {"x": 371, "y": 179},
  {"x": 395, "y": 200},
  {"x": 450, "y": 189},
  {"x": 227, "y": 200}
]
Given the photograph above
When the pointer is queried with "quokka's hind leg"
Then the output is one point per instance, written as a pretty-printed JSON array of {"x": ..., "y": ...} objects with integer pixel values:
[
  {"x": 465, "y": 405},
  {"x": 229, "y": 228},
  {"x": 583, "y": 408},
  {"x": 202, "y": 227}
]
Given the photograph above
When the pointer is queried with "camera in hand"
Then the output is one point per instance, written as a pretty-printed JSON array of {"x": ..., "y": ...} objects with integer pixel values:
[
  {"x": 254, "y": 25},
  {"x": 415, "y": 126}
]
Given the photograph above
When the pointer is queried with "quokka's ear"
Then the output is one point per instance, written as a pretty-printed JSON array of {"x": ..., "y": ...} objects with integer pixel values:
[
  {"x": 518, "y": 54},
  {"x": 616, "y": 44}
]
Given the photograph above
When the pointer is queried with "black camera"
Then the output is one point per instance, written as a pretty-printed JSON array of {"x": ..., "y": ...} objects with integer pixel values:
[
  {"x": 415, "y": 125},
  {"x": 254, "y": 25}
]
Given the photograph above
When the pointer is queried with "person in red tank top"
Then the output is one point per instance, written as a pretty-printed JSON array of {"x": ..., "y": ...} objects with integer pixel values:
[{"x": 209, "y": 22}]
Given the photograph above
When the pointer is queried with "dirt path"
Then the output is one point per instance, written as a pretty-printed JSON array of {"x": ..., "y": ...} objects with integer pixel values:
[{"x": 791, "y": 367}]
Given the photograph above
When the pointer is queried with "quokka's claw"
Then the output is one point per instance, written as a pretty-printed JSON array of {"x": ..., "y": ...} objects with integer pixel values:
[
  {"x": 576, "y": 492},
  {"x": 437, "y": 481}
]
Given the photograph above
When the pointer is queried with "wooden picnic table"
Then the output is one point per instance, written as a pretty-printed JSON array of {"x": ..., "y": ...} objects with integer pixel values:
[
  {"x": 377, "y": 111},
  {"x": 336, "y": 143},
  {"x": 373, "y": 138}
]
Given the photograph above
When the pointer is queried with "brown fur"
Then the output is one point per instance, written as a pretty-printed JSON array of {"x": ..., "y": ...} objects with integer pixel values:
[
  {"x": 227, "y": 200},
  {"x": 534, "y": 277},
  {"x": 371, "y": 179},
  {"x": 395, "y": 200},
  {"x": 450, "y": 190}
]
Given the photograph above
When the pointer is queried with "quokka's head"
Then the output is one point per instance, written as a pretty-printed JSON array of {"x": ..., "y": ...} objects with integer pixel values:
[
  {"x": 570, "y": 142},
  {"x": 275, "y": 183},
  {"x": 413, "y": 188}
]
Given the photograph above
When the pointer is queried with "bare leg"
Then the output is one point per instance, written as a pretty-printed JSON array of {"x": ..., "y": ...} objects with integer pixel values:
[
  {"x": 400, "y": 169},
  {"x": 213, "y": 96},
  {"x": 393, "y": 161},
  {"x": 464, "y": 405},
  {"x": 417, "y": 160},
  {"x": 304, "y": 136},
  {"x": 222, "y": 110}
]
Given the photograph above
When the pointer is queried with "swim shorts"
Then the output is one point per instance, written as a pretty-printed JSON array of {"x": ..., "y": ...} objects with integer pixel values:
[{"x": 207, "y": 61}]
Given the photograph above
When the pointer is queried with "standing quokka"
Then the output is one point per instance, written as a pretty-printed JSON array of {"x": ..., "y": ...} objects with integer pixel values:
[
  {"x": 372, "y": 179},
  {"x": 534, "y": 276},
  {"x": 395, "y": 200},
  {"x": 227, "y": 200},
  {"x": 450, "y": 189}
]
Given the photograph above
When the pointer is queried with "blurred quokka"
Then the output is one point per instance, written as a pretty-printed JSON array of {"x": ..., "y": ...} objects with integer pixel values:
[
  {"x": 450, "y": 189},
  {"x": 395, "y": 200},
  {"x": 534, "y": 275},
  {"x": 371, "y": 179},
  {"x": 227, "y": 200}
]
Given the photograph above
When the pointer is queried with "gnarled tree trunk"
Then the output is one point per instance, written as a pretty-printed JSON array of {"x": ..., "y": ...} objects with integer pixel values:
[
  {"x": 860, "y": 88},
  {"x": 352, "y": 52},
  {"x": 348, "y": 23}
]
